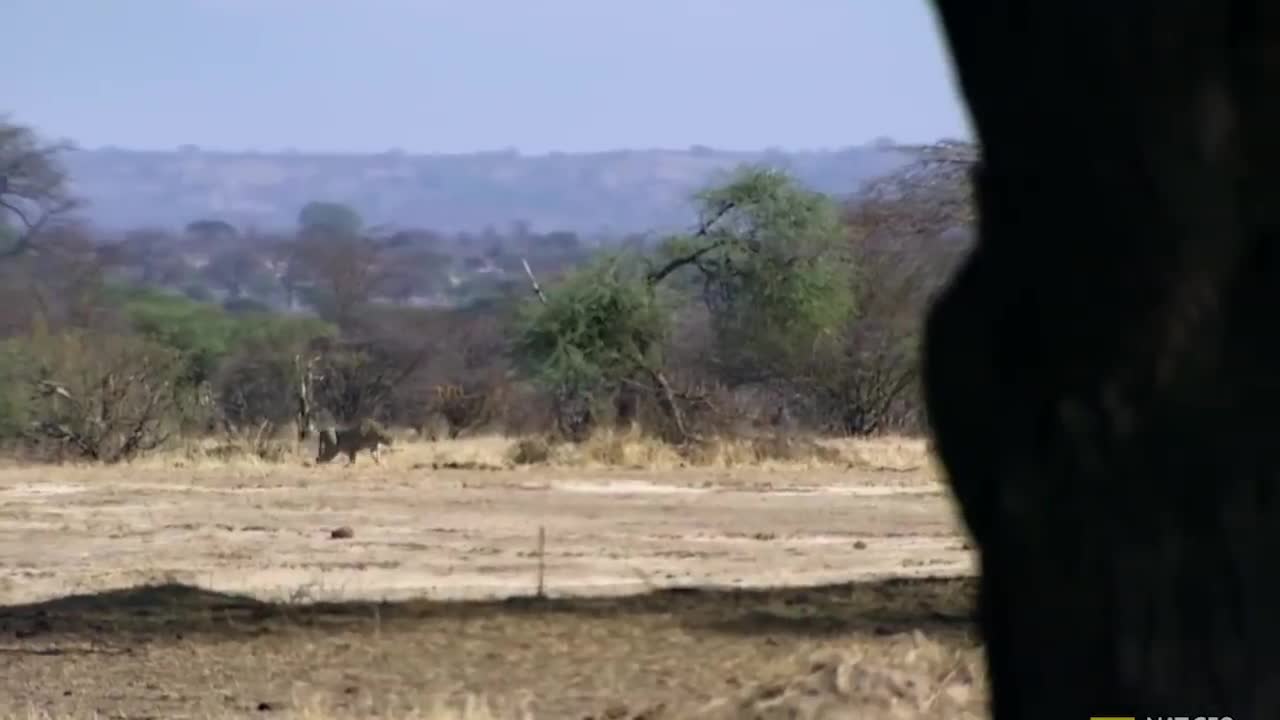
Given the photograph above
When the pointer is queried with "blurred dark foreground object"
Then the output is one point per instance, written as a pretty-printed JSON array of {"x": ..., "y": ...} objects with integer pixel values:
[{"x": 1103, "y": 375}]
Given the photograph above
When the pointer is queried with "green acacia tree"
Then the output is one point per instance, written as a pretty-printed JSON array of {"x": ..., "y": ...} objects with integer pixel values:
[
  {"x": 766, "y": 254},
  {"x": 602, "y": 327},
  {"x": 771, "y": 263}
]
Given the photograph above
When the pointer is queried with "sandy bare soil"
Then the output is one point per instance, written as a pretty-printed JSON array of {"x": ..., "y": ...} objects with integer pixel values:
[
  {"x": 463, "y": 534},
  {"x": 241, "y": 555}
]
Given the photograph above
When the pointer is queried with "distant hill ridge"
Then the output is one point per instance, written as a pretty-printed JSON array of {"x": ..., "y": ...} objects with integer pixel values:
[{"x": 615, "y": 192}]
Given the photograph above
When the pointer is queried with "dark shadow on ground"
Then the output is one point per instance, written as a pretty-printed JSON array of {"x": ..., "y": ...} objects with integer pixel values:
[
  {"x": 883, "y": 607},
  {"x": 176, "y": 611}
]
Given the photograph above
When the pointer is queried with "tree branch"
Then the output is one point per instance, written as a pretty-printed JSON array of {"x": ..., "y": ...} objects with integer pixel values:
[
  {"x": 33, "y": 228},
  {"x": 537, "y": 289},
  {"x": 22, "y": 216},
  {"x": 657, "y": 276}
]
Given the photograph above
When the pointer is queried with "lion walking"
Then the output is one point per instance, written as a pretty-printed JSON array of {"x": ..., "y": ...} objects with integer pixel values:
[{"x": 365, "y": 435}]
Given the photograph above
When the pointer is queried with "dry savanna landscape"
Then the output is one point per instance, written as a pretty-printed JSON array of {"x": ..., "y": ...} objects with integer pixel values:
[
  {"x": 349, "y": 385},
  {"x": 615, "y": 578},
  {"x": 666, "y": 468}
]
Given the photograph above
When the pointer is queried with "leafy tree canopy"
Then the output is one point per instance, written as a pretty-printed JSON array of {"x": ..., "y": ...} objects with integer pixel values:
[
  {"x": 331, "y": 216},
  {"x": 603, "y": 323},
  {"x": 770, "y": 264},
  {"x": 207, "y": 333}
]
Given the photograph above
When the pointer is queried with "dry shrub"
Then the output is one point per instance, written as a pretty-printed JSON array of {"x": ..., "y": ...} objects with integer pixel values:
[
  {"x": 709, "y": 408},
  {"x": 237, "y": 448},
  {"x": 889, "y": 452},
  {"x": 269, "y": 450},
  {"x": 478, "y": 452},
  {"x": 636, "y": 449},
  {"x": 777, "y": 449},
  {"x": 272, "y": 442},
  {"x": 432, "y": 427},
  {"x": 525, "y": 410},
  {"x": 785, "y": 448},
  {"x": 465, "y": 407},
  {"x": 915, "y": 677},
  {"x": 255, "y": 387},
  {"x": 519, "y": 409},
  {"x": 352, "y": 380},
  {"x": 630, "y": 448},
  {"x": 530, "y": 451},
  {"x": 101, "y": 397}
]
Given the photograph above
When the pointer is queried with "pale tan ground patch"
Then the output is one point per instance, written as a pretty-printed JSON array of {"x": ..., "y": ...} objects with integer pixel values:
[{"x": 263, "y": 530}]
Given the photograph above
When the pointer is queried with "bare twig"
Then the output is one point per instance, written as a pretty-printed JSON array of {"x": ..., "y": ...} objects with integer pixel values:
[
  {"x": 542, "y": 562},
  {"x": 537, "y": 289}
]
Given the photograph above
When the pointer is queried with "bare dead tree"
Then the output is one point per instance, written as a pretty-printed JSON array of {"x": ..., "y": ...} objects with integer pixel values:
[
  {"x": 304, "y": 370},
  {"x": 348, "y": 266},
  {"x": 34, "y": 192},
  {"x": 1103, "y": 375},
  {"x": 908, "y": 231}
]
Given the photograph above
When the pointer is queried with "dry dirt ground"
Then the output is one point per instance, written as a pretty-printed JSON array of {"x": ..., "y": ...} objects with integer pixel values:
[{"x": 243, "y": 604}]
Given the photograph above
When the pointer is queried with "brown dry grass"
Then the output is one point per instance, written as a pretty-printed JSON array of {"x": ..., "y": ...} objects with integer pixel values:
[
  {"x": 603, "y": 450},
  {"x": 894, "y": 649}
]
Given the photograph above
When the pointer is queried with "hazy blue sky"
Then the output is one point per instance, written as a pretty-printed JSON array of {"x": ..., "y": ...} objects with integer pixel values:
[{"x": 463, "y": 75}]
